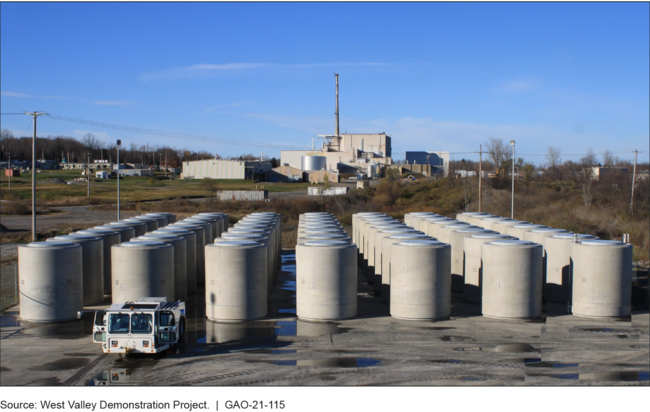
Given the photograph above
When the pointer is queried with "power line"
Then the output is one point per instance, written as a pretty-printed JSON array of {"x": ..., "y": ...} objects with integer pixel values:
[{"x": 183, "y": 136}]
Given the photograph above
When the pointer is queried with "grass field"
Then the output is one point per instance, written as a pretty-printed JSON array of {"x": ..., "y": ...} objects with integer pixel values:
[{"x": 132, "y": 189}]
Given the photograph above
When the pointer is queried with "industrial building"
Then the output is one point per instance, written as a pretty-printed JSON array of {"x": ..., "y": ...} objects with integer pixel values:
[
  {"x": 438, "y": 160},
  {"x": 225, "y": 169}
]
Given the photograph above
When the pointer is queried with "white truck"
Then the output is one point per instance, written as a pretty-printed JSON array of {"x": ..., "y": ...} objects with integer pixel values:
[{"x": 148, "y": 325}]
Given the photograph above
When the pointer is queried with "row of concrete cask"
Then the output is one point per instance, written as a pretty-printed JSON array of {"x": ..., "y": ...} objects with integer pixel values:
[
  {"x": 240, "y": 269},
  {"x": 326, "y": 270}
]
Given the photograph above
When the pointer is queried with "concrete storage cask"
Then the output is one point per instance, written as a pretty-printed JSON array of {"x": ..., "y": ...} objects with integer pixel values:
[
  {"x": 325, "y": 236},
  {"x": 415, "y": 220},
  {"x": 190, "y": 253},
  {"x": 180, "y": 260},
  {"x": 486, "y": 222},
  {"x": 199, "y": 231},
  {"x": 409, "y": 216},
  {"x": 423, "y": 223},
  {"x": 109, "y": 238},
  {"x": 472, "y": 267},
  {"x": 520, "y": 230},
  {"x": 364, "y": 234},
  {"x": 142, "y": 269},
  {"x": 386, "y": 259},
  {"x": 463, "y": 216},
  {"x": 456, "y": 241},
  {"x": 355, "y": 223},
  {"x": 379, "y": 250},
  {"x": 326, "y": 280},
  {"x": 502, "y": 226},
  {"x": 236, "y": 287},
  {"x": 512, "y": 279},
  {"x": 51, "y": 281},
  {"x": 92, "y": 248},
  {"x": 474, "y": 219},
  {"x": 217, "y": 332},
  {"x": 602, "y": 278},
  {"x": 126, "y": 232},
  {"x": 152, "y": 224},
  {"x": 262, "y": 239},
  {"x": 161, "y": 219},
  {"x": 270, "y": 233},
  {"x": 171, "y": 218},
  {"x": 208, "y": 227},
  {"x": 370, "y": 244},
  {"x": 374, "y": 220},
  {"x": 420, "y": 284},
  {"x": 431, "y": 226},
  {"x": 214, "y": 223},
  {"x": 540, "y": 235},
  {"x": 445, "y": 231},
  {"x": 222, "y": 224},
  {"x": 139, "y": 226},
  {"x": 557, "y": 281}
]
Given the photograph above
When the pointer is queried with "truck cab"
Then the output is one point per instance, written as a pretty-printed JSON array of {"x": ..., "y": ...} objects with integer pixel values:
[{"x": 148, "y": 325}]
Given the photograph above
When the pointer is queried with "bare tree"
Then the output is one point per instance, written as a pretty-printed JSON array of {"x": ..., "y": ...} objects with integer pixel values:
[
  {"x": 609, "y": 160},
  {"x": 584, "y": 174},
  {"x": 498, "y": 150},
  {"x": 553, "y": 157},
  {"x": 211, "y": 185},
  {"x": 6, "y": 134}
]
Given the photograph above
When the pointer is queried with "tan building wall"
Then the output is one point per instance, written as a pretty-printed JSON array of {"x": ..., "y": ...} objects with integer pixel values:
[{"x": 319, "y": 177}]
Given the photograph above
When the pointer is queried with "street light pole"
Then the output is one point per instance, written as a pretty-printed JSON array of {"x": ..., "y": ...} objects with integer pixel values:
[
  {"x": 34, "y": 116},
  {"x": 512, "y": 201},
  {"x": 88, "y": 173},
  {"x": 10, "y": 171},
  {"x": 119, "y": 142}
]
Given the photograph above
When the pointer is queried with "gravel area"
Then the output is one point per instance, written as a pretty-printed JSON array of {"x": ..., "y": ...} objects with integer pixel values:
[{"x": 9, "y": 249}]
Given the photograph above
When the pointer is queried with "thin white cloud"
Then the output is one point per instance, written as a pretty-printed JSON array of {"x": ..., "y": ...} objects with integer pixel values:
[
  {"x": 14, "y": 94},
  {"x": 198, "y": 70}
]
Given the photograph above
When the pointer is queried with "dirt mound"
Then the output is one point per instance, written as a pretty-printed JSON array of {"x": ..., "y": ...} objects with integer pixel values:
[{"x": 52, "y": 180}]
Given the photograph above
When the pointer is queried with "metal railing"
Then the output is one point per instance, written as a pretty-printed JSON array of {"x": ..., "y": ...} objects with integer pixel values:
[{"x": 8, "y": 286}]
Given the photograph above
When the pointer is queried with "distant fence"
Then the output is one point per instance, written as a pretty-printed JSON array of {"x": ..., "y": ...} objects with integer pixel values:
[
  {"x": 8, "y": 286},
  {"x": 334, "y": 191},
  {"x": 241, "y": 195}
]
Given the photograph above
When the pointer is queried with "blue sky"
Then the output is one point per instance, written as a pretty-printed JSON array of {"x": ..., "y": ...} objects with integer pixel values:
[{"x": 436, "y": 76}]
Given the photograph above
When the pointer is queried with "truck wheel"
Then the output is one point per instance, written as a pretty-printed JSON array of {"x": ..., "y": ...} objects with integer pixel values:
[{"x": 181, "y": 330}]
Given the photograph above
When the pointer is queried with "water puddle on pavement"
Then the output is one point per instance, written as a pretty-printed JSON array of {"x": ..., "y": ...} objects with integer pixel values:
[
  {"x": 511, "y": 348},
  {"x": 619, "y": 376},
  {"x": 323, "y": 362}
]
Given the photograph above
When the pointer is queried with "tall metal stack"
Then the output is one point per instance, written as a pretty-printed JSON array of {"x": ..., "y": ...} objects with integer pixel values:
[
  {"x": 420, "y": 280},
  {"x": 142, "y": 269},
  {"x": 51, "y": 281},
  {"x": 93, "y": 265}
]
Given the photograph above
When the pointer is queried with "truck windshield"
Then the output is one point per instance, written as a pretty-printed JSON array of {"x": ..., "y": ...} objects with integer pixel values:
[
  {"x": 118, "y": 323},
  {"x": 141, "y": 323}
]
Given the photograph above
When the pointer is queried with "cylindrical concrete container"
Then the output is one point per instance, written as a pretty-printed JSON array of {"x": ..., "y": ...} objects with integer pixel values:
[
  {"x": 93, "y": 265},
  {"x": 519, "y": 231},
  {"x": 325, "y": 236},
  {"x": 456, "y": 241},
  {"x": 602, "y": 278},
  {"x": 139, "y": 226},
  {"x": 221, "y": 220},
  {"x": 486, "y": 222},
  {"x": 126, "y": 232},
  {"x": 379, "y": 249},
  {"x": 190, "y": 253},
  {"x": 152, "y": 224},
  {"x": 424, "y": 221},
  {"x": 161, "y": 219},
  {"x": 361, "y": 221},
  {"x": 180, "y": 260},
  {"x": 386, "y": 259},
  {"x": 444, "y": 231},
  {"x": 502, "y": 226},
  {"x": 269, "y": 232},
  {"x": 415, "y": 220},
  {"x": 371, "y": 246},
  {"x": 262, "y": 239},
  {"x": 356, "y": 221},
  {"x": 199, "y": 231},
  {"x": 142, "y": 269},
  {"x": 463, "y": 216},
  {"x": 51, "y": 281},
  {"x": 208, "y": 226},
  {"x": 363, "y": 232},
  {"x": 473, "y": 267},
  {"x": 512, "y": 279},
  {"x": 409, "y": 216},
  {"x": 420, "y": 284},
  {"x": 236, "y": 276},
  {"x": 540, "y": 235},
  {"x": 214, "y": 223},
  {"x": 109, "y": 238},
  {"x": 171, "y": 218},
  {"x": 432, "y": 225},
  {"x": 326, "y": 280},
  {"x": 557, "y": 282},
  {"x": 474, "y": 219}
]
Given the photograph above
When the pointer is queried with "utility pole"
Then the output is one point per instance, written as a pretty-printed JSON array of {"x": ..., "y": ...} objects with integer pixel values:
[
  {"x": 10, "y": 171},
  {"x": 119, "y": 142},
  {"x": 336, "y": 129},
  {"x": 636, "y": 152},
  {"x": 480, "y": 177},
  {"x": 88, "y": 173},
  {"x": 512, "y": 202},
  {"x": 34, "y": 116},
  {"x": 159, "y": 164},
  {"x": 165, "y": 164}
]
